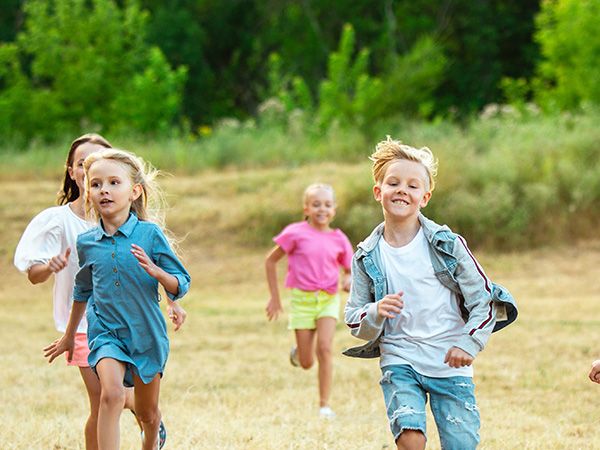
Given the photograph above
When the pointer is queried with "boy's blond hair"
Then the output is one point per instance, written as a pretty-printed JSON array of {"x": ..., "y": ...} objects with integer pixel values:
[{"x": 389, "y": 151}]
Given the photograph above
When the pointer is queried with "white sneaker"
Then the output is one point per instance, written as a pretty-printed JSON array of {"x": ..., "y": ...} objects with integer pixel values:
[
  {"x": 326, "y": 412},
  {"x": 294, "y": 356}
]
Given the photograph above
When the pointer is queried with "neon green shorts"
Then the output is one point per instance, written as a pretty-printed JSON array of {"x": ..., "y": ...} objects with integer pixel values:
[{"x": 308, "y": 306}]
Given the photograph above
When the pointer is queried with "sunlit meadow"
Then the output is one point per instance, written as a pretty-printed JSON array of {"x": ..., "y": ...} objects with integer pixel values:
[{"x": 229, "y": 384}]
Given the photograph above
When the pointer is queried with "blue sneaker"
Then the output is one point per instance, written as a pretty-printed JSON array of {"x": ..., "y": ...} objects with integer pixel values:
[{"x": 162, "y": 435}]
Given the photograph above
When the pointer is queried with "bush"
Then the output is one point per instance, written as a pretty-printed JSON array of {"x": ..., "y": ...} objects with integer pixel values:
[
  {"x": 567, "y": 34},
  {"x": 85, "y": 65}
]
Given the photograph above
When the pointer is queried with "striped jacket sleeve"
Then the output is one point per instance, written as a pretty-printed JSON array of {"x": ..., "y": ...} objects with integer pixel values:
[
  {"x": 360, "y": 313},
  {"x": 477, "y": 291}
]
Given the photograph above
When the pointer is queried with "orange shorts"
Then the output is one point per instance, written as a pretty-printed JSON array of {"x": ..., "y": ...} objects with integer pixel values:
[{"x": 80, "y": 353}]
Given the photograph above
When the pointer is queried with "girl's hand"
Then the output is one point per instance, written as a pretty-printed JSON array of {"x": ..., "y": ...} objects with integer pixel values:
[
  {"x": 390, "y": 305},
  {"x": 60, "y": 261},
  {"x": 273, "y": 309},
  {"x": 176, "y": 313},
  {"x": 60, "y": 346},
  {"x": 595, "y": 372},
  {"x": 145, "y": 262},
  {"x": 347, "y": 283},
  {"x": 457, "y": 358}
]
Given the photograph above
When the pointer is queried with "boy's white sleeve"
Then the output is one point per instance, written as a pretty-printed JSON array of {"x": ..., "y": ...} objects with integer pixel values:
[
  {"x": 477, "y": 291},
  {"x": 360, "y": 313}
]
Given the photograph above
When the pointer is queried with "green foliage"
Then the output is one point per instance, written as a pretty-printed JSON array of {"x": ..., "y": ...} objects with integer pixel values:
[
  {"x": 80, "y": 64},
  {"x": 348, "y": 92},
  {"x": 415, "y": 76},
  {"x": 349, "y": 96},
  {"x": 226, "y": 47},
  {"x": 515, "y": 91},
  {"x": 567, "y": 33},
  {"x": 151, "y": 99}
]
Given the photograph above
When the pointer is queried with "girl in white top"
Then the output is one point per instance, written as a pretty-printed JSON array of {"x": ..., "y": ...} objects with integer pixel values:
[{"x": 45, "y": 249}]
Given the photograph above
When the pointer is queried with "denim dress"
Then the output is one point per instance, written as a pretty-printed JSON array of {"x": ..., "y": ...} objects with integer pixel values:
[{"x": 125, "y": 321}]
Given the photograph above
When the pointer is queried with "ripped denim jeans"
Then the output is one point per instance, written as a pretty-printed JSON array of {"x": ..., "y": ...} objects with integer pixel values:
[{"x": 452, "y": 404}]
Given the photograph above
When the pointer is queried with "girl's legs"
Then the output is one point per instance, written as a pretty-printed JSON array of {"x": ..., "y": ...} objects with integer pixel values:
[
  {"x": 129, "y": 404},
  {"x": 92, "y": 386},
  {"x": 306, "y": 353},
  {"x": 305, "y": 340},
  {"x": 112, "y": 400},
  {"x": 325, "y": 331},
  {"x": 146, "y": 408}
]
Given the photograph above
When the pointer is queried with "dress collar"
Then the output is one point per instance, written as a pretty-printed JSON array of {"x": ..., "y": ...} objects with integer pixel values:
[{"x": 126, "y": 229}]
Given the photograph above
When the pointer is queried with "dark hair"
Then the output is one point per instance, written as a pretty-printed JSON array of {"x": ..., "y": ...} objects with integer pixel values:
[{"x": 70, "y": 191}]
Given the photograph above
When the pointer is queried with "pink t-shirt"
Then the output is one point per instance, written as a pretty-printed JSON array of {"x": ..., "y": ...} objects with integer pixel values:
[{"x": 314, "y": 257}]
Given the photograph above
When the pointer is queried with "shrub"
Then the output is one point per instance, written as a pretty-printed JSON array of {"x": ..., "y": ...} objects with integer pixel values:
[{"x": 80, "y": 64}]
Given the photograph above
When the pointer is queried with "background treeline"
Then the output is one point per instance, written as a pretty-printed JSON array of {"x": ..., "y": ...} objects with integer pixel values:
[
  {"x": 152, "y": 66},
  {"x": 504, "y": 92}
]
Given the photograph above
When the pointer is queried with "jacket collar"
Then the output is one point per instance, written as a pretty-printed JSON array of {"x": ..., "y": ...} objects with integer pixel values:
[{"x": 431, "y": 231}]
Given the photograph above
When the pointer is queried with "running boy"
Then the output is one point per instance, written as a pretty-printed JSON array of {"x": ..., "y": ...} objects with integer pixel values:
[{"x": 425, "y": 304}]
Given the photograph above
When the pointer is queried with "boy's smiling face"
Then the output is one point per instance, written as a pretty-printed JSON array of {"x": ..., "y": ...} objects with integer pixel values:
[{"x": 403, "y": 191}]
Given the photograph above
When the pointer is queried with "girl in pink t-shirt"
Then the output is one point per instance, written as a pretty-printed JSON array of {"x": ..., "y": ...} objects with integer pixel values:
[{"x": 315, "y": 253}]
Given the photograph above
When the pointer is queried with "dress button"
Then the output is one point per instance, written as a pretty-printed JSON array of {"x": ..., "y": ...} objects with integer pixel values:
[
  {"x": 115, "y": 270},
  {"x": 117, "y": 283},
  {"x": 113, "y": 255},
  {"x": 112, "y": 242}
]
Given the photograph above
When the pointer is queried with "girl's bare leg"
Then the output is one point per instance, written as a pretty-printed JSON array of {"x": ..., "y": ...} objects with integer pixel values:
[
  {"x": 112, "y": 400},
  {"x": 92, "y": 386},
  {"x": 146, "y": 409},
  {"x": 325, "y": 332},
  {"x": 305, "y": 340}
]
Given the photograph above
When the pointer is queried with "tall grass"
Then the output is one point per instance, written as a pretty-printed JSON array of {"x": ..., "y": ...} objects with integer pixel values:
[{"x": 505, "y": 182}]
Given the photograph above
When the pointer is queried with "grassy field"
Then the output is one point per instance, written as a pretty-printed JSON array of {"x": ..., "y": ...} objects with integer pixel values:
[{"x": 229, "y": 384}]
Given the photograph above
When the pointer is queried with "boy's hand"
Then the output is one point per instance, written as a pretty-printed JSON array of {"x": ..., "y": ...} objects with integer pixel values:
[
  {"x": 273, "y": 309},
  {"x": 390, "y": 305},
  {"x": 595, "y": 371},
  {"x": 58, "y": 347},
  {"x": 457, "y": 358}
]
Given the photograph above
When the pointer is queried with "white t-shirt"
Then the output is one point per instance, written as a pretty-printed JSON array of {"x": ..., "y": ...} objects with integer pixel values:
[
  {"x": 430, "y": 322},
  {"x": 47, "y": 235}
]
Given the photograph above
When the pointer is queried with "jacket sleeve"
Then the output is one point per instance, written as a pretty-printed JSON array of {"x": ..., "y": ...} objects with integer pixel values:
[
  {"x": 360, "y": 313},
  {"x": 477, "y": 291}
]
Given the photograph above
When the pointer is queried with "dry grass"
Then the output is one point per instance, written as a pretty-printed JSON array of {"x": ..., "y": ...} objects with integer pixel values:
[{"x": 228, "y": 383}]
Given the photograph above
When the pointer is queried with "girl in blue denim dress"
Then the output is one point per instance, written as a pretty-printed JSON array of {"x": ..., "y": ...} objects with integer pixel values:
[{"x": 122, "y": 263}]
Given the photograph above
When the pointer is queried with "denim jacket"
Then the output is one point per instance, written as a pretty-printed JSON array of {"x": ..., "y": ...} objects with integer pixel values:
[{"x": 485, "y": 306}]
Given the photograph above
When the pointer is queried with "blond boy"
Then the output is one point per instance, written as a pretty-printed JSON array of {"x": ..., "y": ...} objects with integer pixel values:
[{"x": 424, "y": 303}]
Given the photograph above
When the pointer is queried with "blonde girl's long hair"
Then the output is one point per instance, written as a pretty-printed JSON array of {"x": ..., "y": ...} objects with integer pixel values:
[
  {"x": 69, "y": 191},
  {"x": 151, "y": 205}
]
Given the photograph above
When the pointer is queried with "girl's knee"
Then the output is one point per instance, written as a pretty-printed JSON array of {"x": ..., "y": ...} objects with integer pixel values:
[
  {"x": 324, "y": 351},
  {"x": 148, "y": 415},
  {"x": 306, "y": 363},
  {"x": 113, "y": 397}
]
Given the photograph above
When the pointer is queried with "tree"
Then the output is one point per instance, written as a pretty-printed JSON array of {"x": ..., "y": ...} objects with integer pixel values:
[
  {"x": 84, "y": 65},
  {"x": 567, "y": 32}
]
